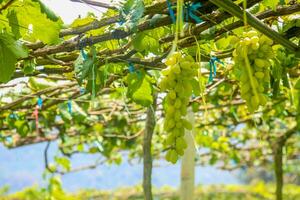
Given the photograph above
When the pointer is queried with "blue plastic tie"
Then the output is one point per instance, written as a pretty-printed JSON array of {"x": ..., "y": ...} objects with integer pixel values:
[
  {"x": 13, "y": 116},
  {"x": 81, "y": 45},
  {"x": 131, "y": 68},
  {"x": 40, "y": 102},
  {"x": 70, "y": 106},
  {"x": 122, "y": 12},
  {"x": 83, "y": 54},
  {"x": 122, "y": 21},
  {"x": 191, "y": 8},
  {"x": 81, "y": 91},
  {"x": 213, "y": 67},
  {"x": 171, "y": 12}
]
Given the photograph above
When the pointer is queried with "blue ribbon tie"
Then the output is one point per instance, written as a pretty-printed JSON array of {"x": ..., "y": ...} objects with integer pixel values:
[
  {"x": 131, "y": 68},
  {"x": 191, "y": 8},
  {"x": 213, "y": 67},
  {"x": 171, "y": 12},
  {"x": 40, "y": 102},
  {"x": 13, "y": 116},
  {"x": 81, "y": 91},
  {"x": 70, "y": 106},
  {"x": 83, "y": 54}
]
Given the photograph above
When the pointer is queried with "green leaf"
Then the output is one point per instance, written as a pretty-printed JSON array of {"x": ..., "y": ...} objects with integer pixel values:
[
  {"x": 132, "y": 12},
  {"x": 14, "y": 23},
  {"x": 271, "y": 3},
  {"x": 82, "y": 21},
  {"x": 29, "y": 67},
  {"x": 139, "y": 89},
  {"x": 144, "y": 42},
  {"x": 297, "y": 85},
  {"x": 93, "y": 150},
  {"x": 37, "y": 84},
  {"x": 49, "y": 13},
  {"x": 10, "y": 52},
  {"x": 78, "y": 112},
  {"x": 196, "y": 87},
  {"x": 64, "y": 113},
  {"x": 22, "y": 127},
  {"x": 64, "y": 162},
  {"x": 83, "y": 68},
  {"x": 134, "y": 83},
  {"x": 39, "y": 26}
]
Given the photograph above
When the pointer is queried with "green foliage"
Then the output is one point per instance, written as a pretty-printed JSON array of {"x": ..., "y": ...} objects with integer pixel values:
[
  {"x": 258, "y": 191},
  {"x": 37, "y": 84},
  {"x": 10, "y": 52},
  {"x": 29, "y": 67},
  {"x": 32, "y": 23},
  {"x": 145, "y": 42},
  {"x": 108, "y": 124},
  {"x": 271, "y": 3},
  {"x": 63, "y": 162},
  {"x": 14, "y": 23},
  {"x": 140, "y": 88},
  {"x": 82, "y": 21},
  {"x": 49, "y": 13},
  {"x": 131, "y": 12}
]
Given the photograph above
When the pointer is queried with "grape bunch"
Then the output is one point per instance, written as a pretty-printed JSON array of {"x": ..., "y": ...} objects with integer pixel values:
[
  {"x": 176, "y": 82},
  {"x": 252, "y": 68}
]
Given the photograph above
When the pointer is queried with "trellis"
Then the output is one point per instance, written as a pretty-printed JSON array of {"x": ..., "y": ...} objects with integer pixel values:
[{"x": 65, "y": 53}]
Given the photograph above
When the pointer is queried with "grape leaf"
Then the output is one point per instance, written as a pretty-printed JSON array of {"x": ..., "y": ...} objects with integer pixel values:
[
  {"x": 271, "y": 3},
  {"x": 64, "y": 162},
  {"x": 49, "y": 13},
  {"x": 144, "y": 42},
  {"x": 14, "y": 23},
  {"x": 132, "y": 11},
  {"x": 37, "y": 84},
  {"x": 82, "y": 21},
  {"x": 297, "y": 85},
  {"x": 83, "y": 68},
  {"x": 139, "y": 89},
  {"x": 29, "y": 67},
  {"x": 39, "y": 26},
  {"x": 10, "y": 51}
]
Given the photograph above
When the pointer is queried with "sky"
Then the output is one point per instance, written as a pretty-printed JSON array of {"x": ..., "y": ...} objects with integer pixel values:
[{"x": 69, "y": 11}]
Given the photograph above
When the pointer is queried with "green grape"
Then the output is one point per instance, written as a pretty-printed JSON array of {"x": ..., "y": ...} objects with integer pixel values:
[
  {"x": 172, "y": 94},
  {"x": 177, "y": 116},
  {"x": 176, "y": 81},
  {"x": 259, "y": 75},
  {"x": 166, "y": 71},
  {"x": 185, "y": 65},
  {"x": 171, "y": 61},
  {"x": 259, "y": 62},
  {"x": 171, "y": 110},
  {"x": 252, "y": 63},
  {"x": 180, "y": 144},
  {"x": 170, "y": 139},
  {"x": 179, "y": 125},
  {"x": 176, "y": 69},
  {"x": 183, "y": 111},
  {"x": 177, "y": 103},
  {"x": 180, "y": 152}
]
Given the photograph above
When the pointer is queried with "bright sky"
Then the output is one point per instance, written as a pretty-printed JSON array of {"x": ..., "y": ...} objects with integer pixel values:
[{"x": 69, "y": 11}]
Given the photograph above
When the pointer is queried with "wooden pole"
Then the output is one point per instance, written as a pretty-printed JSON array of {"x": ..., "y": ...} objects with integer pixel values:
[{"x": 188, "y": 164}]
